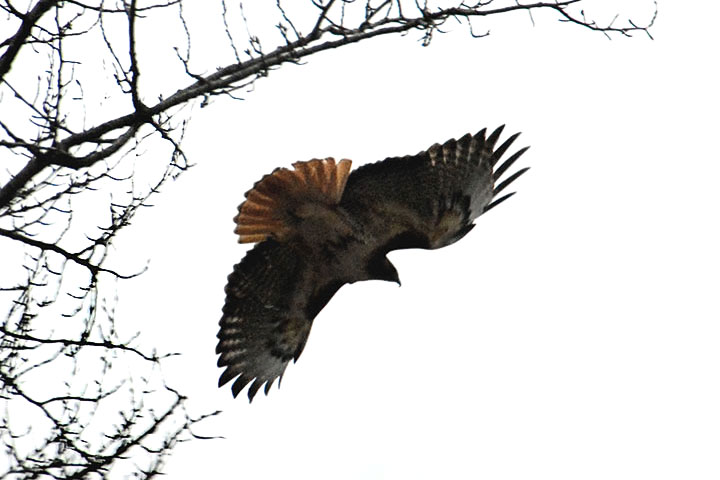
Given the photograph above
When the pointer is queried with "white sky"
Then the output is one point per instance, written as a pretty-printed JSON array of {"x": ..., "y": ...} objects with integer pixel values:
[{"x": 573, "y": 334}]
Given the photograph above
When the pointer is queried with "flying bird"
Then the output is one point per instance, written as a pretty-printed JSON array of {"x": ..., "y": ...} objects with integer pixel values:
[{"x": 320, "y": 226}]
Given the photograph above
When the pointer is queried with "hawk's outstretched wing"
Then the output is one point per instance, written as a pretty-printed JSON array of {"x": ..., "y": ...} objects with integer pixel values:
[
  {"x": 272, "y": 299},
  {"x": 430, "y": 200}
]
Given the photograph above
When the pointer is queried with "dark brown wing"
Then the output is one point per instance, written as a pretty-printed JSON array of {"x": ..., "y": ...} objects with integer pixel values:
[
  {"x": 272, "y": 299},
  {"x": 430, "y": 200}
]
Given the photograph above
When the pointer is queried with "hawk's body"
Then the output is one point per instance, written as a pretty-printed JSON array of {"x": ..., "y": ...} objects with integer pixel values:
[{"x": 320, "y": 227}]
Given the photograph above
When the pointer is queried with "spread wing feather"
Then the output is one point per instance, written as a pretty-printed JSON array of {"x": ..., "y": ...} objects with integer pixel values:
[
  {"x": 272, "y": 299},
  {"x": 430, "y": 200}
]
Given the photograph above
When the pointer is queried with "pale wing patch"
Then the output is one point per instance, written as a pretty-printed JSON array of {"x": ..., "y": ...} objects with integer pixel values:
[{"x": 446, "y": 228}]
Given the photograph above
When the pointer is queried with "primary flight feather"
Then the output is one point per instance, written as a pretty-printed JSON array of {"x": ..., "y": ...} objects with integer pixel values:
[{"x": 320, "y": 226}]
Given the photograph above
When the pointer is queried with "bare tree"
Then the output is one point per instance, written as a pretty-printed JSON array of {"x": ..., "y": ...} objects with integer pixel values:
[{"x": 80, "y": 103}]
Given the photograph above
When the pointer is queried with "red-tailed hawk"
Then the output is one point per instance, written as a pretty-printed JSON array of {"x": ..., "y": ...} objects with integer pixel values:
[{"x": 319, "y": 227}]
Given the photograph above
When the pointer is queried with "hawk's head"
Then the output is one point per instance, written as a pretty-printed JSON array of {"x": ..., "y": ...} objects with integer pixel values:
[{"x": 380, "y": 268}]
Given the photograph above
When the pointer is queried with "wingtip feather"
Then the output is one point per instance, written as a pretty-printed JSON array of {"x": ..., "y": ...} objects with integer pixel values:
[
  {"x": 497, "y": 202},
  {"x": 493, "y": 138},
  {"x": 500, "y": 151},
  {"x": 497, "y": 173},
  {"x": 509, "y": 180}
]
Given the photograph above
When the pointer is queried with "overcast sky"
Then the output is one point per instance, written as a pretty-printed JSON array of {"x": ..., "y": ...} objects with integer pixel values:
[{"x": 573, "y": 334}]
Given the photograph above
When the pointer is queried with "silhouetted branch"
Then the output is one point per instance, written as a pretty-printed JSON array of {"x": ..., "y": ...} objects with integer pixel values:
[{"x": 94, "y": 269}]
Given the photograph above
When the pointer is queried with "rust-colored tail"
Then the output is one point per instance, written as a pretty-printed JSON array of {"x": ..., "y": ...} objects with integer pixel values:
[{"x": 265, "y": 212}]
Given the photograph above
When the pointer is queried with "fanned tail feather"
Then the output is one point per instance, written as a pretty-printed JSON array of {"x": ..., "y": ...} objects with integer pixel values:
[{"x": 265, "y": 212}]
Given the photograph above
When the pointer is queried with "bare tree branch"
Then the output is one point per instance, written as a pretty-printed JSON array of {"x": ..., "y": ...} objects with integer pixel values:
[{"x": 14, "y": 43}]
